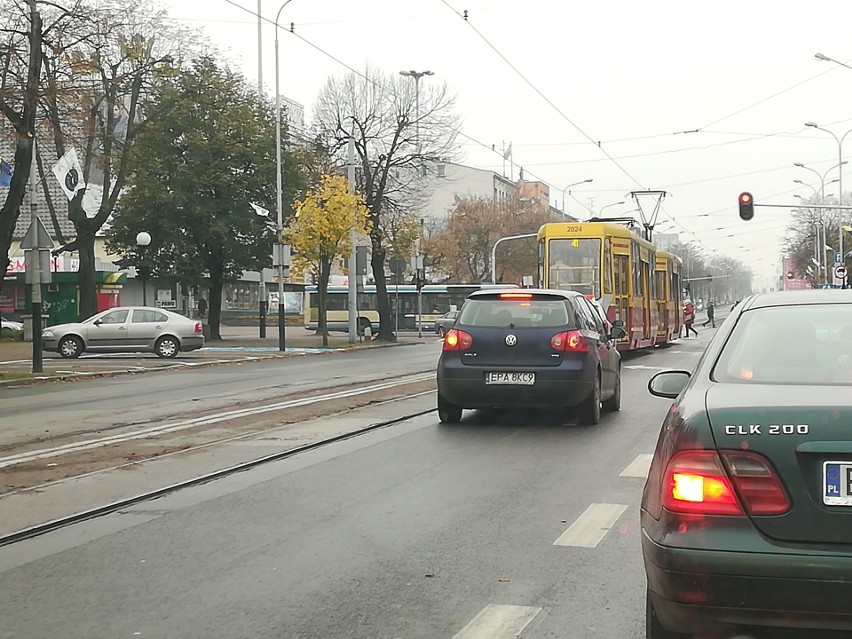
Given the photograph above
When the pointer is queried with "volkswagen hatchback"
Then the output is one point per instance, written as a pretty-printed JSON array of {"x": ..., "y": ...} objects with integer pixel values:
[
  {"x": 747, "y": 509},
  {"x": 533, "y": 348}
]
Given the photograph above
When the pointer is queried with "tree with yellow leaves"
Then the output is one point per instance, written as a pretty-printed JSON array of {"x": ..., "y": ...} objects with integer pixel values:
[{"x": 320, "y": 232}]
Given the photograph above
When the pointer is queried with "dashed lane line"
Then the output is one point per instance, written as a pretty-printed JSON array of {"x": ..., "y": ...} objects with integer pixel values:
[
  {"x": 498, "y": 622},
  {"x": 591, "y": 527},
  {"x": 638, "y": 467}
]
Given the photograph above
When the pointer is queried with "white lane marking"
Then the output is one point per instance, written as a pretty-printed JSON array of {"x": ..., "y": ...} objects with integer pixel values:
[
  {"x": 590, "y": 528},
  {"x": 686, "y": 352},
  {"x": 45, "y": 453},
  {"x": 498, "y": 622},
  {"x": 638, "y": 467},
  {"x": 647, "y": 368}
]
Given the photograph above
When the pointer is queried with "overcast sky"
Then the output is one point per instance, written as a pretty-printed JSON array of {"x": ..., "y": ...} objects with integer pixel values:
[{"x": 633, "y": 76}]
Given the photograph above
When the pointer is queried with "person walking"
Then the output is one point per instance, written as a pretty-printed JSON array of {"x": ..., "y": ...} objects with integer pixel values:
[
  {"x": 689, "y": 319},
  {"x": 202, "y": 307},
  {"x": 711, "y": 316}
]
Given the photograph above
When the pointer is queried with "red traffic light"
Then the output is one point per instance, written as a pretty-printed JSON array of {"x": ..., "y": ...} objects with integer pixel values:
[{"x": 746, "y": 206}]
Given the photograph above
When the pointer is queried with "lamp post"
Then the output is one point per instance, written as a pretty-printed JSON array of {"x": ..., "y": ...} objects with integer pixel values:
[
  {"x": 609, "y": 205},
  {"x": 143, "y": 239},
  {"x": 825, "y": 58},
  {"x": 279, "y": 191},
  {"x": 840, "y": 164},
  {"x": 818, "y": 239},
  {"x": 569, "y": 186},
  {"x": 416, "y": 75}
]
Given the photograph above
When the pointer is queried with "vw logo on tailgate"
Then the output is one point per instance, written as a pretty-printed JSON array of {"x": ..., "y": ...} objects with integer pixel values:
[{"x": 511, "y": 340}]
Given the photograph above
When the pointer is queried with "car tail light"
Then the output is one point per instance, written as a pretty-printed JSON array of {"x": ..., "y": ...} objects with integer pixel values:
[
  {"x": 757, "y": 485},
  {"x": 697, "y": 482},
  {"x": 199, "y": 328},
  {"x": 456, "y": 340},
  {"x": 571, "y": 341}
]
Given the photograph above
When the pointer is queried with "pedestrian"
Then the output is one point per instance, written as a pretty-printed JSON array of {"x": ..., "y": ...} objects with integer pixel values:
[
  {"x": 689, "y": 319},
  {"x": 202, "y": 307},
  {"x": 711, "y": 316}
]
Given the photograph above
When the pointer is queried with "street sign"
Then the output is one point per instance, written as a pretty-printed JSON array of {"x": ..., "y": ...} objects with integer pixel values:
[
  {"x": 840, "y": 272},
  {"x": 838, "y": 258},
  {"x": 397, "y": 266},
  {"x": 37, "y": 236}
]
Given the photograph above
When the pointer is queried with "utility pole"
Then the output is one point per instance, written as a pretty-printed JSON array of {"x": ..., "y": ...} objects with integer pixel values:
[
  {"x": 353, "y": 259},
  {"x": 263, "y": 297}
]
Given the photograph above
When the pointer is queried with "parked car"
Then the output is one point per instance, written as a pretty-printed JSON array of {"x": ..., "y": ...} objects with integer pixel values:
[
  {"x": 9, "y": 325},
  {"x": 126, "y": 329},
  {"x": 747, "y": 510},
  {"x": 535, "y": 348},
  {"x": 445, "y": 322}
]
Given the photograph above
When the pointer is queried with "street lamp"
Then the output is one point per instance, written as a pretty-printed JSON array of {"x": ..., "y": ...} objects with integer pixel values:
[
  {"x": 840, "y": 165},
  {"x": 569, "y": 186},
  {"x": 609, "y": 205},
  {"x": 143, "y": 239},
  {"x": 279, "y": 196},
  {"x": 825, "y": 58},
  {"x": 416, "y": 75}
]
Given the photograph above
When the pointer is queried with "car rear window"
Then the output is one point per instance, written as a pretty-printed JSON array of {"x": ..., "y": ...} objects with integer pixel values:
[
  {"x": 809, "y": 344},
  {"x": 515, "y": 313}
]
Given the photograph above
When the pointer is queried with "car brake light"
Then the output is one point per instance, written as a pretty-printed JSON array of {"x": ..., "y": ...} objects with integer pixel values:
[
  {"x": 456, "y": 340},
  {"x": 515, "y": 296},
  {"x": 569, "y": 341},
  {"x": 199, "y": 328},
  {"x": 695, "y": 482},
  {"x": 756, "y": 483}
]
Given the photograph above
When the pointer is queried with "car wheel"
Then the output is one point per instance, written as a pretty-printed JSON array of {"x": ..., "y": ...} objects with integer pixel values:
[
  {"x": 448, "y": 412},
  {"x": 167, "y": 347},
  {"x": 653, "y": 628},
  {"x": 613, "y": 404},
  {"x": 70, "y": 347},
  {"x": 590, "y": 409}
]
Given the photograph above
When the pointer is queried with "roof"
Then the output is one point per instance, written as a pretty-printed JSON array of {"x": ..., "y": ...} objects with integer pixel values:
[
  {"x": 590, "y": 229},
  {"x": 800, "y": 297}
]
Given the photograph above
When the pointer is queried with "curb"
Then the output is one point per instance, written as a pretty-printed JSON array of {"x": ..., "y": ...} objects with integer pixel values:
[{"x": 83, "y": 376}]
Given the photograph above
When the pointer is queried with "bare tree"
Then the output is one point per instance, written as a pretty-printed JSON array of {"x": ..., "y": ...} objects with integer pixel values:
[
  {"x": 94, "y": 101},
  {"x": 21, "y": 60},
  {"x": 379, "y": 111}
]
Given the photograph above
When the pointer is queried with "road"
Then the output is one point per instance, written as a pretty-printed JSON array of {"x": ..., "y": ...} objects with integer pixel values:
[
  {"x": 506, "y": 523},
  {"x": 61, "y": 409}
]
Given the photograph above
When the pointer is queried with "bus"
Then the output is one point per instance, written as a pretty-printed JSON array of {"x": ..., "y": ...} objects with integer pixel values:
[
  {"x": 669, "y": 300},
  {"x": 438, "y": 299},
  {"x": 612, "y": 263}
]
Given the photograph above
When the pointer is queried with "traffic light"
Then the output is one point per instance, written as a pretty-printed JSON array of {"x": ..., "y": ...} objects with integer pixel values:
[{"x": 746, "y": 206}]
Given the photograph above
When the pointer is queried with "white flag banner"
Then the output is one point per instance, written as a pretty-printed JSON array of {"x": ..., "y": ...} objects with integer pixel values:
[
  {"x": 92, "y": 200},
  {"x": 262, "y": 212},
  {"x": 69, "y": 173}
]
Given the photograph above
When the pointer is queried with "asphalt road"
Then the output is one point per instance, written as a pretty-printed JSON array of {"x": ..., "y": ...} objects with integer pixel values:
[
  {"x": 507, "y": 523},
  {"x": 61, "y": 408}
]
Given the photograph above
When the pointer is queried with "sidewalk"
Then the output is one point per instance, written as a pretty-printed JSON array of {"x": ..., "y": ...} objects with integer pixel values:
[{"x": 238, "y": 344}]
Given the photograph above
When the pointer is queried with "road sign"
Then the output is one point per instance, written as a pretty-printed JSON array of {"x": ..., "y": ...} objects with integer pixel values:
[
  {"x": 840, "y": 272},
  {"x": 838, "y": 258},
  {"x": 397, "y": 266},
  {"x": 37, "y": 236}
]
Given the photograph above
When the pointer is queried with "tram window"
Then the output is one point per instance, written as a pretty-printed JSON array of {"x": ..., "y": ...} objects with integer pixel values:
[{"x": 607, "y": 266}]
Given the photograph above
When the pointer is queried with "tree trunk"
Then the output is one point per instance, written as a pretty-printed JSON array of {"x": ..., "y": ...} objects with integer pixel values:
[
  {"x": 382, "y": 298},
  {"x": 324, "y": 276},
  {"x": 86, "y": 274},
  {"x": 214, "y": 306}
]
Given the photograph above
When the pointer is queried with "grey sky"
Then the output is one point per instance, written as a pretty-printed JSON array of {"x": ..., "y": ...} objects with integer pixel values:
[{"x": 631, "y": 75}]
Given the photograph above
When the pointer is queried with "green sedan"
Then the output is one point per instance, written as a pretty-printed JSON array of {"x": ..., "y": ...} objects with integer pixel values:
[{"x": 747, "y": 510}]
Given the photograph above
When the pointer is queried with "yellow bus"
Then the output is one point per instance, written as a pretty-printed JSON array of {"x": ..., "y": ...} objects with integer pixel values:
[{"x": 613, "y": 264}]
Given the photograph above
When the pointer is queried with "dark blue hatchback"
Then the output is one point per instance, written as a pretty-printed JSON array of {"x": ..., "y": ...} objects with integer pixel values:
[{"x": 529, "y": 348}]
